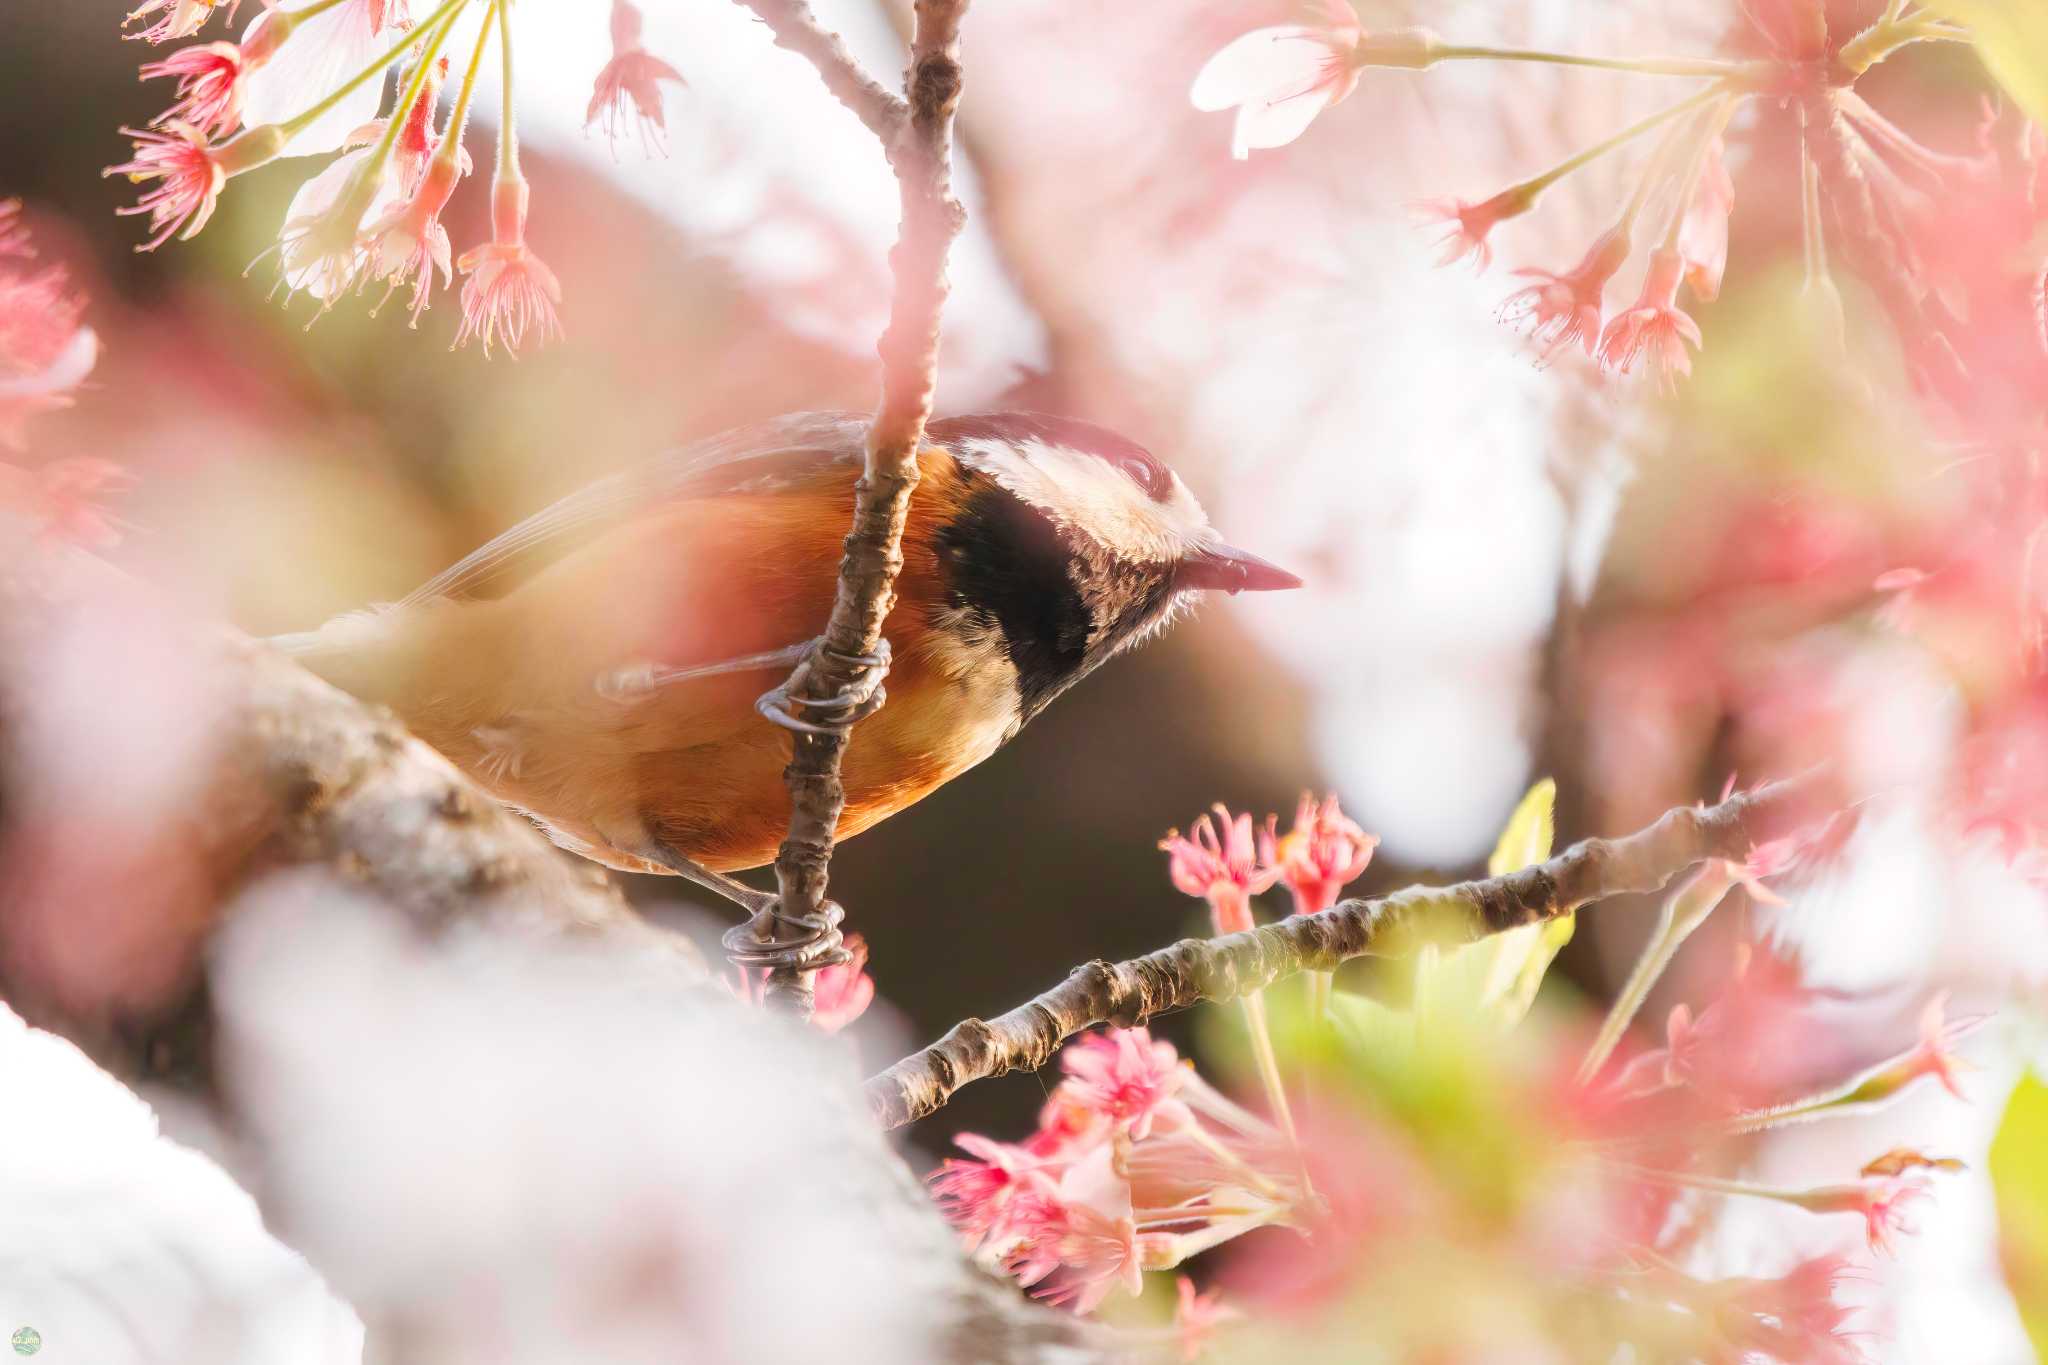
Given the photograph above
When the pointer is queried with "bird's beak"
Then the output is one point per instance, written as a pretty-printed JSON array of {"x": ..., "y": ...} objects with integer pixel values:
[{"x": 1227, "y": 569}]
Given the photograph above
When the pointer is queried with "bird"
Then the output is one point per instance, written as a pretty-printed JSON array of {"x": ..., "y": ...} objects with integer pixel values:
[{"x": 598, "y": 665}]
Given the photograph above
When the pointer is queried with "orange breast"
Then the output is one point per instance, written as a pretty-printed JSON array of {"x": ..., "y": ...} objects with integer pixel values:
[{"x": 691, "y": 764}]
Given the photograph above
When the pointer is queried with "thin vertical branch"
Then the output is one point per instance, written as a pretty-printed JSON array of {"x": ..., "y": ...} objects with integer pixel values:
[{"x": 917, "y": 135}]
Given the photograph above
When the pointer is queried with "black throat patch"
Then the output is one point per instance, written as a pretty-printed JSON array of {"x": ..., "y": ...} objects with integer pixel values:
[{"x": 1061, "y": 603}]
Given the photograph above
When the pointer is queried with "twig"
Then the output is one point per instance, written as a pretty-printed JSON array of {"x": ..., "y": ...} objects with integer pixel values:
[
  {"x": 917, "y": 134},
  {"x": 797, "y": 29},
  {"x": 1197, "y": 970}
]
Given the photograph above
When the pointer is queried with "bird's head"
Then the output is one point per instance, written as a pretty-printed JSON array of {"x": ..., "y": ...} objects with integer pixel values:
[{"x": 1077, "y": 544}]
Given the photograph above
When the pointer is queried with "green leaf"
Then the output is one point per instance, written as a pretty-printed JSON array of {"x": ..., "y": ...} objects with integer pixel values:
[
  {"x": 1499, "y": 975},
  {"x": 2012, "y": 38},
  {"x": 1526, "y": 840},
  {"x": 2019, "y": 1175}
]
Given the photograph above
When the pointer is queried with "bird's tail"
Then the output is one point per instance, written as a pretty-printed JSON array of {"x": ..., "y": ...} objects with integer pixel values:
[{"x": 352, "y": 651}]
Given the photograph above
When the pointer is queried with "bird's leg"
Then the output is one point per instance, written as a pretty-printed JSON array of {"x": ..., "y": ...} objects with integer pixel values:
[
  {"x": 637, "y": 680},
  {"x": 814, "y": 942},
  {"x": 836, "y": 714}
]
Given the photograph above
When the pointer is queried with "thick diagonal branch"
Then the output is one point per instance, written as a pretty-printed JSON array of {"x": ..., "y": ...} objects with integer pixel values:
[
  {"x": 918, "y": 138},
  {"x": 1195, "y": 970}
]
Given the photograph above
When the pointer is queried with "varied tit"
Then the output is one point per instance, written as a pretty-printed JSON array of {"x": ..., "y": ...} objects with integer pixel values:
[{"x": 598, "y": 665}]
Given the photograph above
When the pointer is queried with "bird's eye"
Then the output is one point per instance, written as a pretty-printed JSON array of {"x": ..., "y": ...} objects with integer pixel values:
[{"x": 1149, "y": 477}]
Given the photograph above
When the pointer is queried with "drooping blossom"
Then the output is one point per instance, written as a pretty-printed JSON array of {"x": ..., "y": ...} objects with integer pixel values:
[
  {"x": 208, "y": 93},
  {"x": 70, "y": 504},
  {"x": 314, "y": 57},
  {"x": 1224, "y": 870},
  {"x": 1882, "y": 1203},
  {"x": 1127, "y": 1076},
  {"x": 1278, "y": 79},
  {"x": 632, "y": 77},
  {"x": 1934, "y": 1054},
  {"x": 322, "y": 248},
  {"x": 1324, "y": 852},
  {"x": 510, "y": 292},
  {"x": 1197, "y": 1316},
  {"x": 1467, "y": 225},
  {"x": 1082, "y": 1241},
  {"x": 1703, "y": 234},
  {"x": 1567, "y": 308},
  {"x": 1792, "y": 1318},
  {"x": 175, "y": 18},
  {"x": 975, "y": 1192},
  {"x": 188, "y": 178},
  {"x": 1655, "y": 326},
  {"x": 843, "y": 991},
  {"x": 46, "y": 350},
  {"x": 407, "y": 241}
]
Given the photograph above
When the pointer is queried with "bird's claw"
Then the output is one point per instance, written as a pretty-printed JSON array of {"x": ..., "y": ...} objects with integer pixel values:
[
  {"x": 835, "y": 714},
  {"x": 812, "y": 941}
]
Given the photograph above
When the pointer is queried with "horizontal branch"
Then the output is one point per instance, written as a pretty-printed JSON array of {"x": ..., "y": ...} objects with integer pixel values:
[{"x": 1197, "y": 970}]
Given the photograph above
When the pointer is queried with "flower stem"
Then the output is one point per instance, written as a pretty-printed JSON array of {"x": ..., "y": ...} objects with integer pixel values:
[
  {"x": 1683, "y": 911},
  {"x": 1647, "y": 66},
  {"x": 1268, "y": 1063},
  {"x": 1891, "y": 33},
  {"x": 421, "y": 72},
  {"x": 304, "y": 12},
  {"x": 1812, "y": 242},
  {"x": 508, "y": 133},
  {"x": 450, "y": 150},
  {"x": 298, "y": 124},
  {"x": 1538, "y": 184},
  {"x": 1689, "y": 185}
]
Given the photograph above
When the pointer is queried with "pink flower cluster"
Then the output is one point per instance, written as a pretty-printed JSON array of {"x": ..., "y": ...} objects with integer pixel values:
[
  {"x": 46, "y": 352},
  {"x": 309, "y": 81},
  {"x": 1315, "y": 860},
  {"x": 1137, "y": 1164}
]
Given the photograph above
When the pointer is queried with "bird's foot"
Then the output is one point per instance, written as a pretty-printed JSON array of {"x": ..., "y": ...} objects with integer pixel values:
[
  {"x": 774, "y": 938},
  {"x": 835, "y": 714}
]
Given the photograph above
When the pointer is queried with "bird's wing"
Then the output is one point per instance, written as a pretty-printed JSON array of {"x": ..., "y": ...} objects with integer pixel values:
[{"x": 745, "y": 457}]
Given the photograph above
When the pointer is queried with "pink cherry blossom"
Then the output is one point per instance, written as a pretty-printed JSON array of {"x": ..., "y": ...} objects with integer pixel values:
[
  {"x": 69, "y": 505},
  {"x": 312, "y": 57},
  {"x": 1088, "y": 1233},
  {"x": 1567, "y": 308},
  {"x": 1278, "y": 79},
  {"x": 1934, "y": 1054},
  {"x": 1703, "y": 235},
  {"x": 975, "y": 1193},
  {"x": 1225, "y": 870},
  {"x": 322, "y": 247},
  {"x": 1655, "y": 326},
  {"x": 176, "y": 18},
  {"x": 1197, "y": 1316},
  {"x": 632, "y": 77},
  {"x": 1794, "y": 1317},
  {"x": 209, "y": 86},
  {"x": 45, "y": 350},
  {"x": 1882, "y": 1203},
  {"x": 1469, "y": 224},
  {"x": 1325, "y": 851},
  {"x": 188, "y": 177},
  {"x": 510, "y": 292},
  {"x": 1127, "y": 1076},
  {"x": 844, "y": 990}
]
